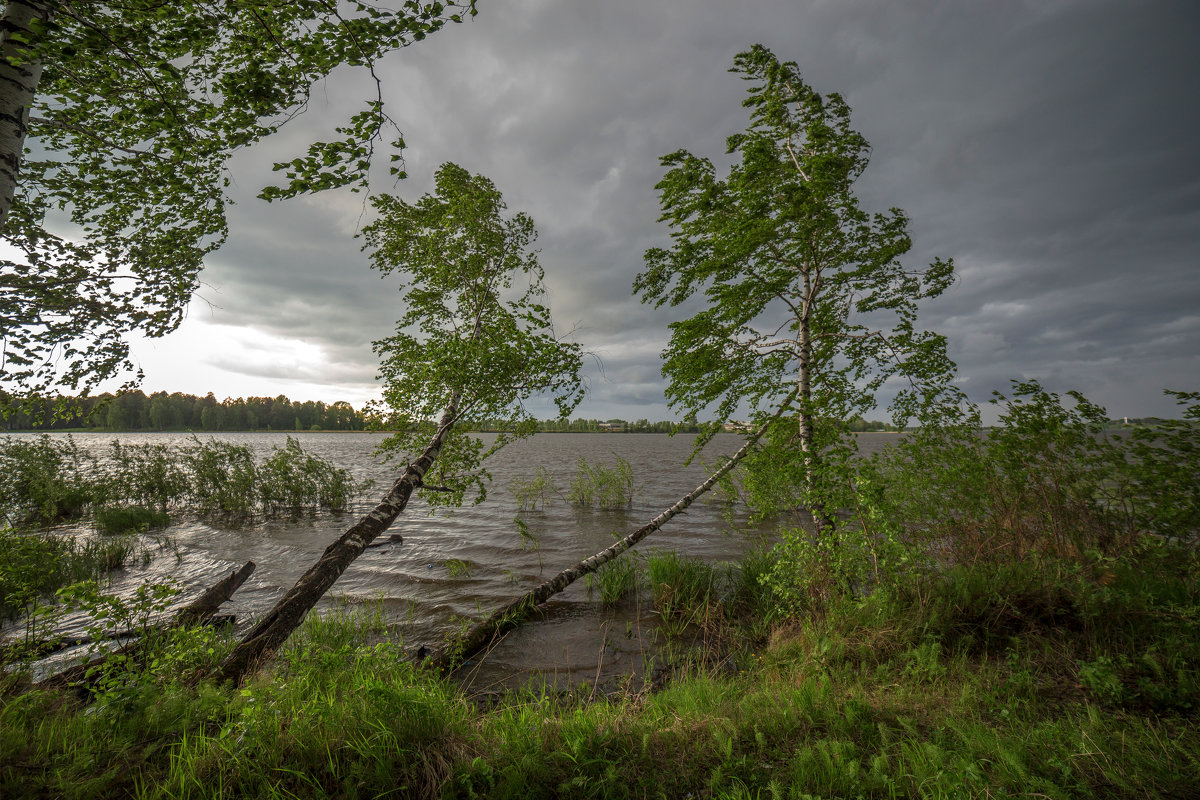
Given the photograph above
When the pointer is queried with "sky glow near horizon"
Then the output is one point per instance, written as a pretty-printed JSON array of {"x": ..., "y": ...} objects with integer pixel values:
[{"x": 1048, "y": 147}]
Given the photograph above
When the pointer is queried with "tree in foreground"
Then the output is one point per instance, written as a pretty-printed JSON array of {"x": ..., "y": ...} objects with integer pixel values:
[
  {"x": 804, "y": 292},
  {"x": 116, "y": 123},
  {"x": 476, "y": 342}
]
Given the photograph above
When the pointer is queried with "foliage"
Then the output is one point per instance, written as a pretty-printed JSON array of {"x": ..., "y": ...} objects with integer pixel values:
[
  {"x": 46, "y": 479},
  {"x": 807, "y": 306},
  {"x": 1047, "y": 481},
  {"x": 33, "y": 566},
  {"x": 133, "y": 410},
  {"x": 476, "y": 336},
  {"x": 1164, "y": 462},
  {"x": 122, "y": 192},
  {"x": 988, "y": 680},
  {"x": 602, "y": 485}
]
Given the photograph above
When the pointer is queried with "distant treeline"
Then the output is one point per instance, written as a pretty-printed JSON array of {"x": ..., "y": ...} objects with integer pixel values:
[{"x": 135, "y": 411}]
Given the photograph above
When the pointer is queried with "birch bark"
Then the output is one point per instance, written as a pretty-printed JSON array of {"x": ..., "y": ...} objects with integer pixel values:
[
  {"x": 274, "y": 628},
  {"x": 18, "y": 85},
  {"x": 514, "y": 613}
]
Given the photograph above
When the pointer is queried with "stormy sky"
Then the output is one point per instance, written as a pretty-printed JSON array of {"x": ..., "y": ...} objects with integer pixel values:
[{"x": 1049, "y": 147}]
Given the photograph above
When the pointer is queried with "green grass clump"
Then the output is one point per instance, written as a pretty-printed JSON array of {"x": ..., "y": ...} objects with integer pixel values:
[
  {"x": 130, "y": 519},
  {"x": 601, "y": 485},
  {"x": 617, "y": 579},
  {"x": 533, "y": 491},
  {"x": 33, "y": 566}
]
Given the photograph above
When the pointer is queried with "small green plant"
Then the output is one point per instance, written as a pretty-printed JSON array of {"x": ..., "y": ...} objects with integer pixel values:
[
  {"x": 617, "y": 579},
  {"x": 458, "y": 568},
  {"x": 533, "y": 491},
  {"x": 601, "y": 485}
]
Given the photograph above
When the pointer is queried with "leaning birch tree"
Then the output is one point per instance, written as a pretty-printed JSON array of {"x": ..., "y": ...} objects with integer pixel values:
[
  {"x": 475, "y": 343},
  {"x": 803, "y": 292}
]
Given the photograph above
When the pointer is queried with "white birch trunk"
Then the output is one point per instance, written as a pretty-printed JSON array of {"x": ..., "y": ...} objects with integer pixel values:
[{"x": 18, "y": 86}]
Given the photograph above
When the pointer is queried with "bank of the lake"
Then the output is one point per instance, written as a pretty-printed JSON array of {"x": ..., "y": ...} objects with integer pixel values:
[{"x": 993, "y": 681}]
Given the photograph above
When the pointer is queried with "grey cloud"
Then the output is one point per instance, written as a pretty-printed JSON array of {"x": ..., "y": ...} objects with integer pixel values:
[{"x": 1047, "y": 147}]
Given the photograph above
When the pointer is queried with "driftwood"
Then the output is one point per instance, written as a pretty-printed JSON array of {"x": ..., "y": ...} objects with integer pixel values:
[
  {"x": 483, "y": 634},
  {"x": 201, "y": 610},
  {"x": 274, "y": 628}
]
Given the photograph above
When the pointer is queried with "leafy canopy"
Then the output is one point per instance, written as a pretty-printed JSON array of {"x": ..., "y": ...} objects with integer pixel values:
[
  {"x": 476, "y": 335},
  {"x": 804, "y": 294},
  {"x": 122, "y": 191}
]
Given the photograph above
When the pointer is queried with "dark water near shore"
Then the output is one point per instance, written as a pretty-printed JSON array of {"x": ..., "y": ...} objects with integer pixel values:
[{"x": 575, "y": 639}]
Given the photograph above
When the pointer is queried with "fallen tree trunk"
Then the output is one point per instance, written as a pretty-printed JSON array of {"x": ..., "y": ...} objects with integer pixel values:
[
  {"x": 483, "y": 634},
  {"x": 274, "y": 628},
  {"x": 196, "y": 612}
]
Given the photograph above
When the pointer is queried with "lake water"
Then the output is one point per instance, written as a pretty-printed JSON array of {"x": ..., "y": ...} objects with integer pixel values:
[{"x": 575, "y": 639}]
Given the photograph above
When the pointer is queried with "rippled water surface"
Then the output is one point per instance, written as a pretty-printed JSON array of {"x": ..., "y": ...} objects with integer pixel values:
[{"x": 575, "y": 639}]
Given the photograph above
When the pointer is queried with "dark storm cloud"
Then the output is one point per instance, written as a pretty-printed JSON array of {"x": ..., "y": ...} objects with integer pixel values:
[{"x": 1048, "y": 147}]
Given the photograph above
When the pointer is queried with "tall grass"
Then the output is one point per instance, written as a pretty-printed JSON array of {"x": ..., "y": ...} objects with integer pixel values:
[
  {"x": 534, "y": 490},
  {"x": 34, "y": 565},
  {"x": 602, "y": 485}
]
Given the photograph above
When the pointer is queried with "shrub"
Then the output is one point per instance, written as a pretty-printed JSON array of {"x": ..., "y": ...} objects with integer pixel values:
[{"x": 44, "y": 480}]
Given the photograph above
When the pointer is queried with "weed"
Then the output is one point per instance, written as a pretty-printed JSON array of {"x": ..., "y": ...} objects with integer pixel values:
[
  {"x": 602, "y": 485},
  {"x": 130, "y": 519},
  {"x": 530, "y": 492}
]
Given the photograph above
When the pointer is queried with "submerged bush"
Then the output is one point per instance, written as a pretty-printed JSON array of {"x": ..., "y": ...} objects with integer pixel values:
[
  {"x": 130, "y": 519},
  {"x": 44, "y": 480},
  {"x": 535, "y": 490},
  {"x": 223, "y": 476},
  {"x": 293, "y": 479},
  {"x": 48, "y": 480}
]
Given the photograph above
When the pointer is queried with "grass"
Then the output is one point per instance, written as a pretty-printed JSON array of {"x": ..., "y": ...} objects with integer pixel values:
[
  {"x": 987, "y": 681},
  {"x": 601, "y": 485},
  {"x": 130, "y": 519},
  {"x": 33, "y": 566}
]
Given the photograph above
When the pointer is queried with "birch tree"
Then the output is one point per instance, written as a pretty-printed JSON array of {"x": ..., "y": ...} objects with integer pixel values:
[
  {"x": 800, "y": 290},
  {"x": 116, "y": 124},
  {"x": 476, "y": 342}
]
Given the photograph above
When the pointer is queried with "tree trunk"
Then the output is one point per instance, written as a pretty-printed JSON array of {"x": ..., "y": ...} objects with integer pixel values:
[
  {"x": 18, "y": 86},
  {"x": 194, "y": 613},
  {"x": 274, "y": 629},
  {"x": 511, "y": 615}
]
